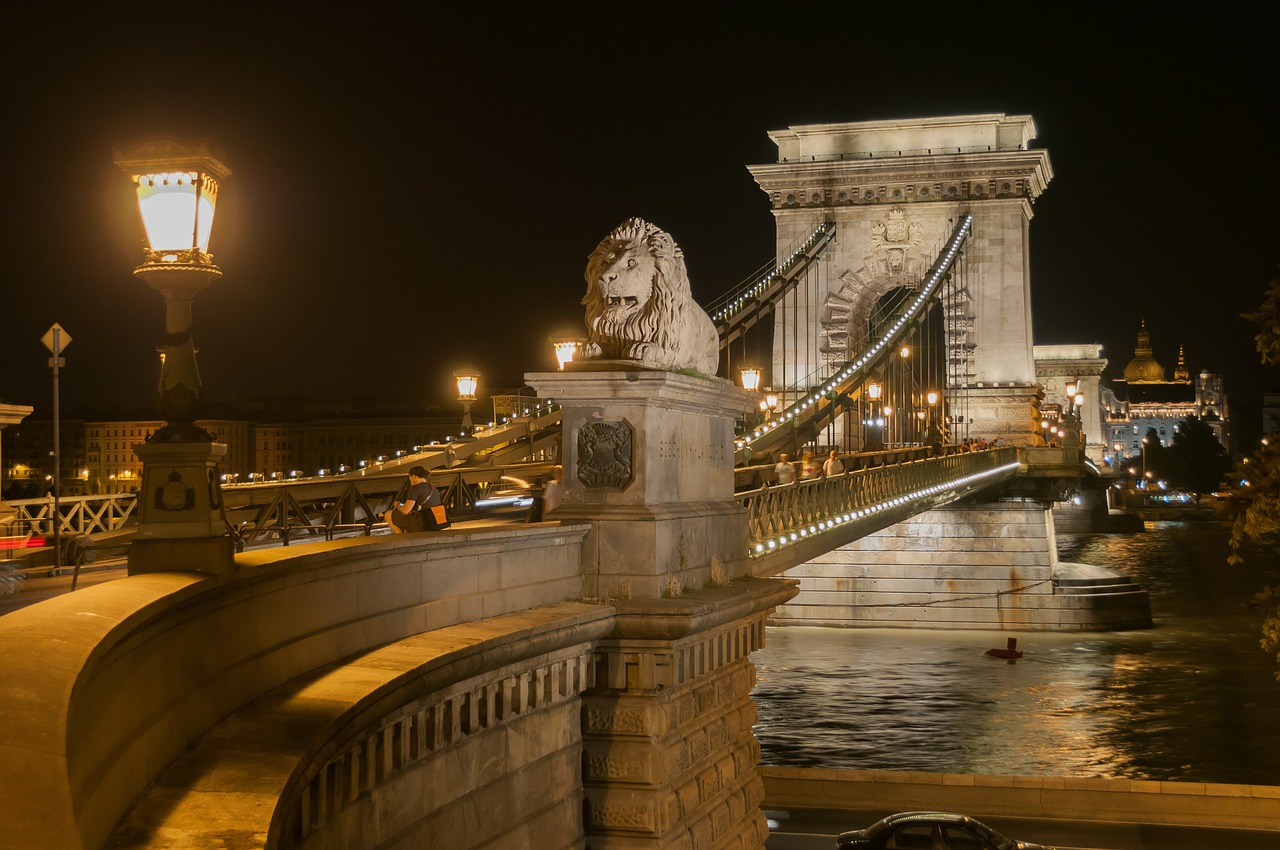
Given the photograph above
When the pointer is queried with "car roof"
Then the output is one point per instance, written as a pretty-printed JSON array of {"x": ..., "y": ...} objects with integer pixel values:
[{"x": 926, "y": 817}]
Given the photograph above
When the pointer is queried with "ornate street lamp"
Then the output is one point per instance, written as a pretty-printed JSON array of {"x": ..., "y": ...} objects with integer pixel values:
[
  {"x": 750, "y": 378},
  {"x": 468, "y": 380},
  {"x": 177, "y": 191},
  {"x": 180, "y": 517}
]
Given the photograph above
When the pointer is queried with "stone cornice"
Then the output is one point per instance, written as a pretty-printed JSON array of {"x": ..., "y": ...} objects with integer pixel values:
[
  {"x": 1067, "y": 368},
  {"x": 937, "y": 172},
  {"x": 673, "y": 619},
  {"x": 613, "y": 381}
]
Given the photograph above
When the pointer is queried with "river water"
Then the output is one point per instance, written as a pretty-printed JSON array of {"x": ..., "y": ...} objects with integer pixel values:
[{"x": 1193, "y": 699}]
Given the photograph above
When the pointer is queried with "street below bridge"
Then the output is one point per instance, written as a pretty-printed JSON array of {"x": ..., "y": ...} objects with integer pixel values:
[{"x": 816, "y": 829}]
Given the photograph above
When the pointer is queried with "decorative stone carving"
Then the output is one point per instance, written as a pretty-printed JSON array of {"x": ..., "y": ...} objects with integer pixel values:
[
  {"x": 605, "y": 454},
  {"x": 639, "y": 305}
]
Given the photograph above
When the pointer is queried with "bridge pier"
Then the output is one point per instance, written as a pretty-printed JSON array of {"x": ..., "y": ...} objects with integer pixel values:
[
  {"x": 986, "y": 566},
  {"x": 669, "y": 756}
]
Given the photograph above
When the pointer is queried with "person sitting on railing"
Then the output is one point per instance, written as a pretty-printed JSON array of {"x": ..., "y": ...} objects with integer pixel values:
[{"x": 414, "y": 513}]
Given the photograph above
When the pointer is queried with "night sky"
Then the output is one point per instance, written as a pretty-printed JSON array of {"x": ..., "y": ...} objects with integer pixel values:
[{"x": 416, "y": 191}]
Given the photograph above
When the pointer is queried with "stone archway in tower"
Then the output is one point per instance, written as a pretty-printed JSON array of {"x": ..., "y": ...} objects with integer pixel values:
[{"x": 895, "y": 261}]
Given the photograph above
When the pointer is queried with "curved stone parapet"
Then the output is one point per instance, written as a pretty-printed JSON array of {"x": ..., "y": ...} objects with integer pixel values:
[{"x": 104, "y": 687}]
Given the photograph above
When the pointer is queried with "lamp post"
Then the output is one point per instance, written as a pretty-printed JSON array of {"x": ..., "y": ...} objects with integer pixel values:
[
  {"x": 874, "y": 391},
  {"x": 468, "y": 380},
  {"x": 180, "y": 516},
  {"x": 1144, "y": 463},
  {"x": 932, "y": 426}
]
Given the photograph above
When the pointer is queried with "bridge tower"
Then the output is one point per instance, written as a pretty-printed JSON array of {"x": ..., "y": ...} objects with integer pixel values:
[{"x": 894, "y": 189}]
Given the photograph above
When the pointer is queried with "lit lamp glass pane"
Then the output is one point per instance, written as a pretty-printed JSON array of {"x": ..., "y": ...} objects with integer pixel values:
[
  {"x": 565, "y": 351},
  {"x": 467, "y": 383},
  {"x": 873, "y": 391},
  {"x": 176, "y": 216}
]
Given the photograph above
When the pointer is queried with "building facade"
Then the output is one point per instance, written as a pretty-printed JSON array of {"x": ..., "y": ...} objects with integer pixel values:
[{"x": 1144, "y": 399}]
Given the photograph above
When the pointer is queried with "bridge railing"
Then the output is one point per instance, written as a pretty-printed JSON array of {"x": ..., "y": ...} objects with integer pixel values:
[
  {"x": 79, "y": 514},
  {"x": 780, "y": 515},
  {"x": 761, "y": 286}
]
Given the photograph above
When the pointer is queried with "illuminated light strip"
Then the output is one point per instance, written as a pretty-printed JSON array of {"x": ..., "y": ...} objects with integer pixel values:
[
  {"x": 934, "y": 277},
  {"x": 730, "y": 309},
  {"x": 897, "y": 501}
]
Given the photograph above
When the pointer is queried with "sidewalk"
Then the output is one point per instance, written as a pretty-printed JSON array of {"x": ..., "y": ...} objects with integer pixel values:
[{"x": 38, "y": 585}]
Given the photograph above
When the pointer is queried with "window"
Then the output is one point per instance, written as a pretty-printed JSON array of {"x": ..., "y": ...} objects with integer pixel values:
[
  {"x": 911, "y": 837},
  {"x": 962, "y": 839}
]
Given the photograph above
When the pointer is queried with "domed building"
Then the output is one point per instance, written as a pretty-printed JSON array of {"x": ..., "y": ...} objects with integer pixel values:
[
  {"x": 1144, "y": 399},
  {"x": 1143, "y": 368}
]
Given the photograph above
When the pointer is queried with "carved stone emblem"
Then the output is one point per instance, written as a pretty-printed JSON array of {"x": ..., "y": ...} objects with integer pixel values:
[
  {"x": 895, "y": 236},
  {"x": 605, "y": 454}
]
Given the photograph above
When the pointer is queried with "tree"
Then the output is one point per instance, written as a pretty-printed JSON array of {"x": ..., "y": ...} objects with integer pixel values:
[
  {"x": 1253, "y": 501},
  {"x": 1154, "y": 457},
  {"x": 1197, "y": 461}
]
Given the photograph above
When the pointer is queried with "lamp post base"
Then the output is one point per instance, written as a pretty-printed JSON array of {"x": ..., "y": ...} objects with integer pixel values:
[
  {"x": 213, "y": 555},
  {"x": 180, "y": 518}
]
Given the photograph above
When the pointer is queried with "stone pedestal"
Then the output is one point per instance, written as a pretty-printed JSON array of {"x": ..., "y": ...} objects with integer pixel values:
[
  {"x": 669, "y": 755},
  {"x": 1008, "y": 413},
  {"x": 648, "y": 461},
  {"x": 670, "y": 760},
  {"x": 180, "y": 518}
]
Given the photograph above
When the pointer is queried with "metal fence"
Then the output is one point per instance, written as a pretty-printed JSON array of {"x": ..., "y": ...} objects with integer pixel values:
[{"x": 79, "y": 514}]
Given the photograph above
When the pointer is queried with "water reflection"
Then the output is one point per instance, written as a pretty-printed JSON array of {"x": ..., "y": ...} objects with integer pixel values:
[{"x": 1192, "y": 699}]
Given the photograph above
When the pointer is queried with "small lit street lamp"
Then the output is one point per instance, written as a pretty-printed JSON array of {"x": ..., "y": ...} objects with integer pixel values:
[
  {"x": 468, "y": 380},
  {"x": 874, "y": 391},
  {"x": 180, "y": 516},
  {"x": 932, "y": 425},
  {"x": 750, "y": 378},
  {"x": 566, "y": 346}
]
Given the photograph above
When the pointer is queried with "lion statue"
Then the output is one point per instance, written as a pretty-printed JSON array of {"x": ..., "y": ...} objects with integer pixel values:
[{"x": 639, "y": 306}]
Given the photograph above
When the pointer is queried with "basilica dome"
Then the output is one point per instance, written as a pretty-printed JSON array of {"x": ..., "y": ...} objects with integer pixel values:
[{"x": 1143, "y": 368}]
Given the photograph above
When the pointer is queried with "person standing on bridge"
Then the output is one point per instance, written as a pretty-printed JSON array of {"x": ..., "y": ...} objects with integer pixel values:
[
  {"x": 809, "y": 467},
  {"x": 832, "y": 466},
  {"x": 552, "y": 496},
  {"x": 784, "y": 472},
  {"x": 414, "y": 513}
]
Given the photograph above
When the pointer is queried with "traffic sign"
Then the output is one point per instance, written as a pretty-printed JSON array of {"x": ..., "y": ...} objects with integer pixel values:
[{"x": 56, "y": 335}]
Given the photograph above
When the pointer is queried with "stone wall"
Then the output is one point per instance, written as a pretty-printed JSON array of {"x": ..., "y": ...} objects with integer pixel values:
[
  {"x": 1093, "y": 799},
  {"x": 669, "y": 751},
  {"x": 989, "y": 566}
]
